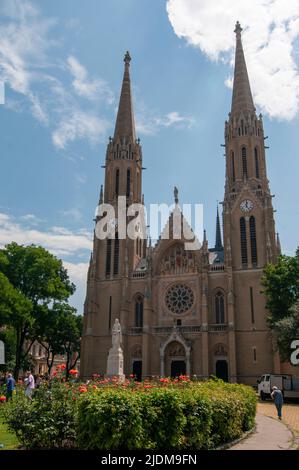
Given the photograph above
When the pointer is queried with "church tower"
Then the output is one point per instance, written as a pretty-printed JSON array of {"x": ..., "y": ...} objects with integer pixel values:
[
  {"x": 249, "y": 231},
  {"x": 114, "y": 257}
]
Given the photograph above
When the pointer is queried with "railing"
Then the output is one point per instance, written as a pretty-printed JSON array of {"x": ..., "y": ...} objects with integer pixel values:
[
  {"x": 181, "y": 329},
  {"x": 217, "y": 267},
  {"x": 134, "y": 330},
  {"x": 138, "y": 274},
  {"x": 166, "y": 330},
  {"x": 218, "y": 327}
]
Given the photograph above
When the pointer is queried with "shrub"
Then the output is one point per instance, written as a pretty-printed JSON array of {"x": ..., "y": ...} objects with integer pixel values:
[
  {"x": 46, "y": 421},
  {"x": 196, "y": 415},
  {"x": 103, "y": 415}
]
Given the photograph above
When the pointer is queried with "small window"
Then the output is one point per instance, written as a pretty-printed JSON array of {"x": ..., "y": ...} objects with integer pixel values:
[
  {"x": 244, "y": 162},
  {"x": 139, "y": 312},
  {"x": 219, "y": 308},
  {"x": 254, "y": 354},
  {"x": 256, "y": 159},
  {"x": 128, "y": 183},
  {"x": 243, "y": 240},
  {"x": 117, "y": 182},
  {"x": 253, "y": 240}
]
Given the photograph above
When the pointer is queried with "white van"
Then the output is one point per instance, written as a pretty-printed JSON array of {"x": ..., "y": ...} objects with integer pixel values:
[{"x": 286, "y": 383}]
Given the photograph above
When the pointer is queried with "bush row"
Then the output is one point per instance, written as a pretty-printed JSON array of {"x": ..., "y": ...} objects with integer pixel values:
[{"x": 196, "y": 416}]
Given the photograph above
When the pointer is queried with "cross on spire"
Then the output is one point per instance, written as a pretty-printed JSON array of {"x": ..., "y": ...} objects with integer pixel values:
[
  {"x": 125, "y": 124},
  {"x": 242, "y": 98}
]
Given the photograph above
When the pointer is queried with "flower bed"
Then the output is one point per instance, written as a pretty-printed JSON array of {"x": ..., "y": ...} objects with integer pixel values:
[{"x": 161, "y": 414}]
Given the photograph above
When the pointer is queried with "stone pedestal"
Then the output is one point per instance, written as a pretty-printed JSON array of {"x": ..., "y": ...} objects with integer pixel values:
[{"x": 115, "y": 364}]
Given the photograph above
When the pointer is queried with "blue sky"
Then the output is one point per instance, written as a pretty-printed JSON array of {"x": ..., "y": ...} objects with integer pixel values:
[{"x": 62, "y": 64}]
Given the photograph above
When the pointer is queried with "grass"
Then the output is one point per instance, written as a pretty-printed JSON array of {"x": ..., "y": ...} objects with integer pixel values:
[{"x": 7, "y": 438}]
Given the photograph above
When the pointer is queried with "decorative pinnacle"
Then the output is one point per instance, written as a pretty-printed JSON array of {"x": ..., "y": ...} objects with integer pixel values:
[
  {"x": 238, "y": 28},
  {"x": 176, "y": 195},
  {"x": 127, "y": 58}
]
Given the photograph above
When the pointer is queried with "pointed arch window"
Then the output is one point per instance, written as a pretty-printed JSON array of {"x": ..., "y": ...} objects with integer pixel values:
[
  {"x": 244, "y": 162},
  {"x": 219, "y": 308},
  {"x": 139, "y": 312},
  {"x": 128, "y": 183},
  {"x": 256, "y": 159},
  {"x": 253, "y": 243},
  {"x": 233, "y": 166},
  {"x": 117, "y": 182},
  {"x": 108, "y": 257},
  {"x": 116, "y": 255},
  {"x": 243, "y": 240}
]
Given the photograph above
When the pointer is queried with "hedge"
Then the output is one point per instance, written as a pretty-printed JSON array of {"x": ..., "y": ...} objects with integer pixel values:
[
  {"x": 197, "y": 416},
  {"x": 188, "y": 415}
]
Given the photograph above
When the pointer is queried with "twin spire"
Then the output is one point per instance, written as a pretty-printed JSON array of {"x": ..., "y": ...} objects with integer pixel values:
[
  {"x": 242, "y": 98},
  {"x": 125, "y": 124}
]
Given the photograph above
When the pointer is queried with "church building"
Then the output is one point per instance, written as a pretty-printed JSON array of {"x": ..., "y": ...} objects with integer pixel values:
[{"x": 197, "y": 312}]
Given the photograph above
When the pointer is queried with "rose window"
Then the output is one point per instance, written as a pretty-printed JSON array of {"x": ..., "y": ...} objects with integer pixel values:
[{"x": 179, "y": 298}]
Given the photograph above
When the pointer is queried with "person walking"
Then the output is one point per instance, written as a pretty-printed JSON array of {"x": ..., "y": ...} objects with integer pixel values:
[
  {"x": 30, "y": 385},
  {"x": 277, "y": 396},
  {"x": 10, "y": 386}
]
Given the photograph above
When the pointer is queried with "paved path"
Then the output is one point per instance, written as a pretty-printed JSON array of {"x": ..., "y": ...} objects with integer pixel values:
[
  {"x": 270, "y": 434},
  {"x": 290, "y": 413}
]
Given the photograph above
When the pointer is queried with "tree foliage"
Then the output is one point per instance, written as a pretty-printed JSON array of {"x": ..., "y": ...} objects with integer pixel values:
[
  {"x": 281, "y": 286},
  {"x": 31, "y": 281}
]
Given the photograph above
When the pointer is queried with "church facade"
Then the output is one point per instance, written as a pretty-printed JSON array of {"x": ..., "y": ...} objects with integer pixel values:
[{"x": 197, "y": 312}]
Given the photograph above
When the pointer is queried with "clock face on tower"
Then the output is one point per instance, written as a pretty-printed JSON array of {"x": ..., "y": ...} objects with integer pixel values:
[{"x": 246, "y": 205}]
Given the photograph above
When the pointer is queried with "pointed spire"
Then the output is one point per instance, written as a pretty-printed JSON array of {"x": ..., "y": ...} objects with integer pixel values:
[
  {"x": 125, "y": 125},
  {"x": 101, "y": 195},
  {"x": 218, "y": 243},
  {"x": 176, "y": 195},
  {"x": 278, "y": 245},
  {"x": 242, "y": 98}
]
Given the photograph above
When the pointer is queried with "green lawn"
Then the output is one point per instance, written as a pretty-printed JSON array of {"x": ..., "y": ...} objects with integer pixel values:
[{"x": 7, "y": 438}]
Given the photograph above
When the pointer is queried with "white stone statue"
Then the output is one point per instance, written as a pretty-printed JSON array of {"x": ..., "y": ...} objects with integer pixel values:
[
  {"x": 116, "y": 335},
  {"x": 115, "y": 362}
]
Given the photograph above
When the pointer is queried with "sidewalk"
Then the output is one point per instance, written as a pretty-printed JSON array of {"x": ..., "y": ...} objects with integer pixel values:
[{"x": 270, "y": 434}]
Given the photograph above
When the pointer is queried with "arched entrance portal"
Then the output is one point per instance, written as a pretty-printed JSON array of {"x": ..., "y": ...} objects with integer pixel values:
[
  {"x": 175, "y": 359},
  {"x": 175, "y": 355},
  {"x": 222, "y": 369}
]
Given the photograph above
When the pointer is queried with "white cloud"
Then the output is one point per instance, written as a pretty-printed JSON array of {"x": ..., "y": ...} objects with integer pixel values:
[
  {"x": 149, "y": 125},
  {"x": 78, "y": 275},
  {"x": 58, "y": 240},
  {"x": 26, "y": 66},
  {"x": 90, "y": 89},
  {"x": 79, "y": 125},
  {"x": 271, "y": 28}
]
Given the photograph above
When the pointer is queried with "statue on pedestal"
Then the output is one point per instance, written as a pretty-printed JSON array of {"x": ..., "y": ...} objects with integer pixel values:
[{"x": 115, "y": 363}]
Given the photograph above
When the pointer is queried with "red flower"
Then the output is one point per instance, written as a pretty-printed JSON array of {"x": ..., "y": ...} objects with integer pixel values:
[
  {"x": 132, "y": 376},
  {"x": 73, "y": 372},
  {"x": 2, "y": 398},
  {"x": 82, "y": 389},
  {"x": 94, "y": 387}
]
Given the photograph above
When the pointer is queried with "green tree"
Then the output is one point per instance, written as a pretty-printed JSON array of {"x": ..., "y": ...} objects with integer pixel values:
[
  {"x": 58, "y": 330},
  {"x": 70, "y": 333},
  {"x": 36, "y": 280},
  {"x": 287, "y": 330},
  {"x": 281, "y": 286}
]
